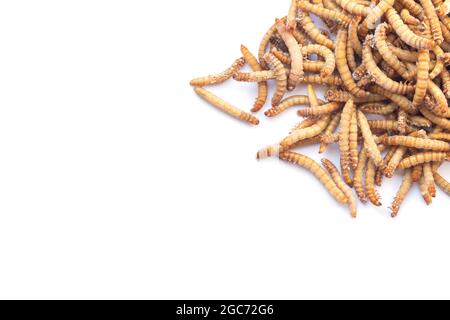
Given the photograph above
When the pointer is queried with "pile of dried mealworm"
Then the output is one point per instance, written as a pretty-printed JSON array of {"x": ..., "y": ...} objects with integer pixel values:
[{"x": 389, "y": 59}]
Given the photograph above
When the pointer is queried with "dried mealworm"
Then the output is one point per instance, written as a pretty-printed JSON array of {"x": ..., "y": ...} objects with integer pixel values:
[
  {"x": 439, "y": 121},
  {"x": 277, "y": 67},
  {"x": 374, "y": 16},
  {"x": 327, "y": 54},
  {"x": 219, "y": 78},
  {"x": 424, "y": 191},
  {"x": 408, "y": 18},
  {"x": 359, "y": 176},
  {"x": 305, "y": 123},
  {"x": 419, "y": 121},
  {"x": 430, "y": 13},
  {"x": 316, "y": 78},
  {"x": 422, "y": 77},
  {"x": 255, "y": 76},
  {"x": 314, "y": 101},
  {"x": 262, "y": 86},
  {"x": 402, "y": 122},
  {"x": 429, "y": 179},
  {"x": 313, "y": 32},
  {"x": 351, "y": 61},
  {"x": 353, "y": 35},
  {"x": 344, "y": 139},
  {"x": 402, "y": 193},
  {"x": 443, "y": 184},
  {"x": 333, "y": 171},
  {"x": 354, "y": 8},
  {"x": 441, "y": 106},
  {"x": 321, "y": 110},
  {"x": 317, "y": 170},
  {"x": 225, "y": 106},
  {"x": 306, "y": 133},
  {"x": 379, "y": 108},
  {"x": 353, "y": 141},
  {"x": 421, "y": 158},
  {"x": 325, "y": 13},
  {"x": 369, "y": 141},
  {"x": 372, "y": 193},
  {"x": 332, "y": 126},
  {"x": 440, "y": 136},
  {"x": 291, "y": 21},
  {"x": 399, "y": 100},
  {"x": 287, "y": 103},
  {"x": 264, "y": 43},
  {"x": 416, "y": 143}
]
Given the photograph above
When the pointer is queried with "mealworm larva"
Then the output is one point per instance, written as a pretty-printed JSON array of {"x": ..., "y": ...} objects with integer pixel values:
[
  {"x": 422, "y": 77},
  {"x": 399, "y": 100},
  {"x": 445, "y": 77},
  {"x": 369, "y": 141},
  {"x": 413, "y": 7},
  {"x": 327, "y": 54},
  {"x": 371, "y": 191},
  {"x": 262, "y": 86},
  {"x": 430, "y": 13},
  {"x": 354, "y": 8},
  {"x": 445, "y": 33},
  {"x": 313, "y": 32},
  {"x": 379, "y": 76},
  {"x": 405, "y": 55},
  {"x": 219, "y": 78},
  {"x": 305, "y": 123},
  {"x": 225, "y": 106},
  {"x": 314, "y": 101},
  {"x": 444, "y": 8},
  {"x": 344, "y": 139},
  {"x": 402, "y": 122},
  {"x": 277, "y": 67},
  {"x": 342, "y": 66},
  {"x": 387, "y": 158},
  {"x": 332, "y": 126},
  {"x": 351, "y": 61},
  {"x": 405, "y": 33},
  {"x": 424, "y": 190},
  {"x": 277, "y": 43},
  {"x": 317, "y": 170},
  {"x": 439, "y": 121},
  {"x": 408, "y": 18},
  {"x": 353, "y": 141},
  {"x": 287, "y": 103},
  {"x": 439, "y": 65},
  {"x": 416, "y": 143},
  {"x": 320, "y": 110},
  {"x": 291, "y": 21},
  {"x": 334, "y": 173},
  {"x": 440, "y": 136},
  {"x": 374, "y": 16},
  {"x": 402, "y": 193},
  {"x": 353, "y": 35},
  {"x": 416, "y": 173},
  {"x": 441, "y": 106},
  {"x": 421, "y": 158},
  {"x": 419, "y": 121},
  {"x": 284, "y": 57},
  {"x": 255, "y": 76},
  {"x": 300, "y": 36},
  {"x": 379, "y": 108},
  {"x": 359, "y": 176},
  {"x": 329, "y": 138},
  {"x": 317, "y": 79},
  {"x": 264, "y": 43},
  {"x": 295, "y": 51},
  {"x": 335, "y": 95},
  {"x": 306, "y": 133},
  {"x": 443, "y": 184},
  {"x": 429, "y": 179},
  {"x": 325, "y": 13}
]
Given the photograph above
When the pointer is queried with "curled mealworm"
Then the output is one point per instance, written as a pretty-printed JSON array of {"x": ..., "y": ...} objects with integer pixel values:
[
  {"x": 219, "y": 78},
  {"x": 374, "y": 16},
  {"x": 327, "y": 54},
  {"x": 313, "y": 32},
  {"x": 225, "y": 106}
]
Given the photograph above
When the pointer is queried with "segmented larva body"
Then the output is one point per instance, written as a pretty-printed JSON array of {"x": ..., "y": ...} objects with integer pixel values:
[
  {"x": 317, "y": 79},
  {"x": 313, "y": 32},
  {"x": 429, "y": 179},
  {"x": 332, "y": 126},
  {"x": 440, "y": 107},
  {"x": 387, "y": 125},
  {"x": 404, "y": 55},
  {"x": 351, "y": 61},
  {"x": 219, "y": 78},
  {"x": 421, "y": 158},
  {"x": 358, "y": 177},
  {"x": 445, "y": 77},
  {"x": 375, "y": 15},
  {"x": 277, "y": 67},
  {"x": 408, "y": 18},
  {"x": 324, "y": 13},
  {"x": 422, "y": 77},
  {"x": 320, "y": 110},
  {"x": 354, "y": 8},
  {"x": 313, "y": 66},
  {"x": 405, "y": 33},
  {"x": 379, "y": 108},
  {"x": 440, "y": 136},
  {"x": 430, "y": 13},
  {"x": 305, "y": 123},
  {"x": 284, "y": 57},
  {"x": 342, "y": 66},
  {"x": 225, "y": 106},
  {"x": 371, "y": 191},
  {"x": 416, "y": 143},
  {"x": 288, "y": 103},
  {"x": 344, "y": 139},
  {"x": 353, "y": 35},
  {"x": 312, "y": 96},
  {"x": 423, "y": 187},
  {"x": 369, "y": 141},
  {"x": 402, "y": 193},
  {"x": 379, "y": 76},
  {"x": 306, "y": 133},
  {"x": 291, "y": 21},
  {"x": 387, "y": 54},
  {"x": 295, "y": 51},
  {"x": 327, "y": 54},
  {"x": 445, "y": 33},
  {"x": 255, "y": 76},
  {"x": 399, "y": 100},
  {"x": 262, "y": 86},
  {"x": 402, "y": 122},
  {"x": 419, "y": 121},
  {"x": 442, "y": 183},
  {"x": 265, "y": 42},
  {"x": 334, "y": 173},
  {"x": 387, "y": 158},
  {"x": 353, "y": 141},
  {"x": 317, "y": 170},
  {"x": 413, "y": 7},
  {"x": 439, "y": 121},
  {"x": 439, "y": 65},
  {"x": 444, "y": 8}
]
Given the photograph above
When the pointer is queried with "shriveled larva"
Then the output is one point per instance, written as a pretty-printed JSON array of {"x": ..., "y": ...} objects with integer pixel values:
[
  {"x": 354, "y": 8},
  {"x": 291, "y": 20},
  {"x": 404, "y": 55},
  {"x": 441, "y": 107},
  {"x": 255, "y": 76},
  {"x": 342, "y": 66},
  {"x": 225, "y": 106},
  {"x": 369, "y": 141},
  {"x": 277, "y": 43},
  {"x": 405, "y": 33},
  {"x": 439, "y": 65},
  {"x": 317, "y": 79},
  {"x": 358, "y": 177},
  {"x": 351, "y": 61},
  {"x": 443, "y": 184},
  {"x": 423, "y": 187},
  {"x": 329, "y": 138},
  {"x": 402, "y": 193},
  {"x": 430, "y": 12},
  {"x": 335, "y": 95},
  {"x": 399, "y": 100},
  {"x": 421, "y": 158},
  {"x": 262, "y": 86},
  {"x": 317, "y": 170},
  {"x": 429, "y": 179},
  {"x": 416, "y": 173},
  {"x": 306, "y": 133},
  {"x": 344, "y": 139},
  {"x": 379, "y": 108},
  {"x": 379, "y": 76},
  {"x": 402, "y": 122},
  {"x": 313, "y": 32},
  {"x": 332, "y": 126},
  {"x": 374, "y": 16},
  {"x": 287, "y": 103},
  {"x": 422, "y": 77},
  {"x": 408, "y": 18},
  {"x": 312, "y": 96},
  {"x": 324, "y": 13},
  {"x": 327, "y": 54},
  {"x": 284, "y": 57},
  {"x": 277, "y": 67},
  {"x": 353, "y": 140},
  {"x": 334, "y": 173},
  {"x": 321, "y": 110},
  {"x": 295, "y": 52},
  {"x": 387, "y": 125},
  {"x": 264, "y": 43},
  {"x": 219, "y": 78},
  {"x": 419, "y": 121},
  {"x": 439, "y": 121},
  {"x": 416, "y": 143}
]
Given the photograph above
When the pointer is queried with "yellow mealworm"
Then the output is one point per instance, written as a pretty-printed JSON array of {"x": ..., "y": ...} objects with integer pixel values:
[
  {"x": 329, "y": 138},
  {"x": 334, "y": 95},
  {"x": 379, "y": 76},
  {"x": 342, "y": 66},
  {"x": 439, "y": 65},
  {"x": 441, "y": 106},
  {"x": 399, "y": 100},
  {"x": 429, "y": 179},
  {"x": 306, "y": 133},
  {"x": 344, "y": 139},
  {"x": 324, "y": 13},
  {"x": 422, "y": 77},
  {"x": 440, "y": 136},
  {"x": 351, "y": 61},
  {"x": 405, "y": 33},
  {"x": 321, "y": 110},
  {"x": 405, "y": 55},
  {"x": 332, "y": 126},
  {"x": 408, "y": 18},
  {"x": 313, "y": 32},
  {"x": 327, "y": 54},
  {"x": 445, "y": 77},
  {"x": 354, "y": 8},
  {"x": 443, "y": 184},
  {"x": 255, "y": 76},
  {"x": 421, "y": 158},
  {"x": 374, "y": 16},
  {"x": 295, "y": 51},
  {"x": 445, "y": 33},
  {"x": 379, "y": 108},
  {"x": 424, "y": 191},
  {"x": 317, "y": 170},
  {"x": 402, "y": 193},
  {"x": 372, "y": 193},
  {"x": 416, "y": 173},
  {"x": 419, "y": 121},
  {"x": 369, "y": 141},
  {"x": 284, "y": 57},
  {"x": 416, "y": 143},
  {"x": 225, "y": 106},
  {"x": 353, "y": 35},
  {"x": 359, "y": 176},
  {"x": 287, "y": 103},
  {"x": 219, "y": 78},
  {"x": 334, "y": 173},
  {"x": 264, "y": 43},
  {"x": 353, "y": 141},
  {"x": 262, "y": 86},
  {"x": 305, "y": 123},
  {"x": 439, "y": 121},
  {"x": 316, "y": 78},
  {"x": 291, "y": 21},
  {"x": 277, "y": 67},
  {"x": 430, "y": 13},
  {"x": 312, "y": 96}
]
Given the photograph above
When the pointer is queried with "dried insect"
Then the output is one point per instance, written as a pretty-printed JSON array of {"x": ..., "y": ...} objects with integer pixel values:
[
  {"x": 359, "y": 176},
  {"x": 416, "y": 143},
  {"x": 399, "y": 100},
  {"x": 430, "y": 13},
  {"x": 439, "y": 121},
  {"x": 324, "y": 13},
  {"x": 408, "y": 18},
  {"x": 344, "y": 140},
  {"x": 421, "y": 158},
  {"x": 372, "y": 193},
  {"x": 327, "y": 54},
  {"x": 317, "y": 170},
  {"x": 291, "y": 21},
  {"x": 287, "y": 103},
  {"x": 429, "y": 179},
  {"x": 369, "y": 141},
  {"x": 374, "y": 16},
  {"x": 225, "y": 106},
  {"x": 219, "y": 78},
  {"x": 424, "y": 190},
  {"x": 379, "y": 108},
  {"x": 278, "y": 69},
  {"x": 315, "y": 78},
  {"x": 313, "y": 32},
  {"x": 442, "y": 183},
  {"x": 306, "y": 133},
  {"x": 402, "y": 193},
  {"x": 321, "y": 110},
  {"x": 353, "y": 140},
  {"x": 332, "y": 126},
  {"x": 354, "y": 8},
  {"x": 255, "y": 76}
]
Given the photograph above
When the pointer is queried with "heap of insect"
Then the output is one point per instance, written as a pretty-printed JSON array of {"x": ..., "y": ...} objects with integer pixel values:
[{"x": 384, "y": 63}]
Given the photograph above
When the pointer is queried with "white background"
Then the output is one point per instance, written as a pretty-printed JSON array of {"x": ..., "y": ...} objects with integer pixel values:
[{"x": 116, "y": 181}]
